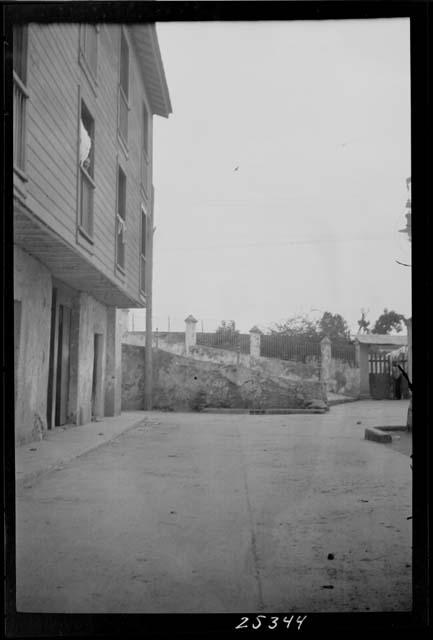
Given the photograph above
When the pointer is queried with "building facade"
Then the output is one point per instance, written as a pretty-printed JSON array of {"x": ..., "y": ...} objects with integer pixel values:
[{"x": 84, "y": 100}]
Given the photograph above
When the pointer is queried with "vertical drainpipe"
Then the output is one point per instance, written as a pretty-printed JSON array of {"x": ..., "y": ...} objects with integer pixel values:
[{"x": 148, "y": 369}]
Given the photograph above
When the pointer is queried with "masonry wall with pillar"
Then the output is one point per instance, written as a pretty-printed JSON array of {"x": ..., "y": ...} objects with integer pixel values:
[
  {"x": 255, "y": 334},
  {"x": 362, "y": 362},
  {"x": 321, "y": 374},
  {"x": 190, "y": 333}
]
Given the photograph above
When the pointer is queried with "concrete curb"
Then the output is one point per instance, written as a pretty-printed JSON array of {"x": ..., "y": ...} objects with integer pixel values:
[
  {"x": 381, "y": 434},
  {"x": 60, "y": 461},
  {"x": 333, "y": 403},
  {"x": 372, "y": 433}
]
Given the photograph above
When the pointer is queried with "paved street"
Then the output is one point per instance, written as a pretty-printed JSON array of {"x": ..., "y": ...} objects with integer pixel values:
[{"x": 223, "y": 513}]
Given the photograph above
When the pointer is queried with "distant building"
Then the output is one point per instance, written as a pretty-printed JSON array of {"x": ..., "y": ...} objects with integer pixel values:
[{"x": 84, "y": 98}]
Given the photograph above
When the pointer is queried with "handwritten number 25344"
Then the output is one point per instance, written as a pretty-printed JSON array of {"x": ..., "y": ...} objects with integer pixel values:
[{"x": 262, "y": 620}]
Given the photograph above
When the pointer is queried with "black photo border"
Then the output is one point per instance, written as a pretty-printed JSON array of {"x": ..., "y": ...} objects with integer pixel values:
[{"x": 154, "y": 625}]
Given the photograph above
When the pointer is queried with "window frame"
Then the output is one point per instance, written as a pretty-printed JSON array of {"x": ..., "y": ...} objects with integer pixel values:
[
  {"x": 145, "y": 150},
  {"x": 83, "y": 58},
  {"x": 20, "y": 89},
  {"x": 123, "y": 97},
  {"x": 85, "y": 175},
  {"x": 120, "y": 267}
]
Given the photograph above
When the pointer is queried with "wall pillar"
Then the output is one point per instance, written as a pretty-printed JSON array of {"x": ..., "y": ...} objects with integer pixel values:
[
  {"x": 190, "y": 333},
  {"x": 124, "y": 321},
  {"x": 357, "y": 353},
  {"x": 325, "y": 361},
  {"x": 116, "y": 326},
  {"x": 364, "y": 377},
  {"x": 255, "y": 334}
]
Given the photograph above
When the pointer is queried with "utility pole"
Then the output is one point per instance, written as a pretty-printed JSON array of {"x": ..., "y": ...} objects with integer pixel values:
[{"x": 148, "y": 368}]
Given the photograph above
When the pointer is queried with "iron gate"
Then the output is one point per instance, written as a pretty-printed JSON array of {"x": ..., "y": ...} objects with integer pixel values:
[{"x": 380, "y": 377}]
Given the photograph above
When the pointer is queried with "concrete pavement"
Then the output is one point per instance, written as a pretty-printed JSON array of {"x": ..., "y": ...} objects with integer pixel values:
[
  {"x": 218, "y": 513},
  {"x": 64, "y": 444}
]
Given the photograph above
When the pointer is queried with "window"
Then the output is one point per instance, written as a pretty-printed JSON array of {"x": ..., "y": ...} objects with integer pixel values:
[
  {"x": 20, "y": 96},
  {"x": 145, "y": 152},
  {"x": 123, "y": 88},
  {"x": 143, "y": 251},
  {"x": 86, "y": 169},
  {"x": 121, "y": 219},
  {"x": 89, "y": 48}
]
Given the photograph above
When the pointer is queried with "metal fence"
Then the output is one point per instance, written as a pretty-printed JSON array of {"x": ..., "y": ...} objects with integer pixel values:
[
  {"x": 345, "y": 352},
  {"x": 381, "y": 363},
  {"x": 289, "y": 348},
  {"x": 229, "y": 341}
]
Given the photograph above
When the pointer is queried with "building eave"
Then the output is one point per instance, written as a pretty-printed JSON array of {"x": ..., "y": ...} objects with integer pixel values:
[
  {"x": 146, "y": 45},
  {"x": 65, "y": 262}
]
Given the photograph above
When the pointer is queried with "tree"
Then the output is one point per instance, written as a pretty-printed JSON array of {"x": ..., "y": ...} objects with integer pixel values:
[
  {"x": 363, "y": 323},
  {"x": 297, "y": 326},
  {"x": 226, "y": 334},
  {"x": 334, "y": 326},
  {"x": 227, "y": 328},
  {"x": 389, "y": 321}
]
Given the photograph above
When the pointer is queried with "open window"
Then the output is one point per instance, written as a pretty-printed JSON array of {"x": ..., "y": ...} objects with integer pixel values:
[
  {"x": 121, "y": 219},
  {"x": 145, "y": 152},
  {"x": 86, "y": 170}
]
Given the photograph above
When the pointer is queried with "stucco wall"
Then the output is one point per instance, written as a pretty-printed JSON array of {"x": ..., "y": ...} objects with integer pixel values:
[
  {"x": 270, "y": 366},
  {"x": 288, "y": 369},
  {"x": 33, "y": 288},
  {"x": 344, "y": 378},
  {"x": 172, "y": 344},
  {"x": 93, "y": 319},
  {"x": 219, "y": 356},
  {"x": 113, "y": 365},
  {"x": 181, "y": 383}
]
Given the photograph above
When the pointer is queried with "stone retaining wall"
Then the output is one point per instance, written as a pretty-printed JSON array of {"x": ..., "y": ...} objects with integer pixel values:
[{"x": 181, "y": 383}]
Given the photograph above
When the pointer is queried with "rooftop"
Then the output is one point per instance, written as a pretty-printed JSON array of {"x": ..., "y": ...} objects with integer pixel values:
[
  {"x": 378, "y": 338},
  {"x": 149, "y": 55}
]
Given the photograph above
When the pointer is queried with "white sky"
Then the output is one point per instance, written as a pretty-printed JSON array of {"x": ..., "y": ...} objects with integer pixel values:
[{"x": 317, "y": 117}]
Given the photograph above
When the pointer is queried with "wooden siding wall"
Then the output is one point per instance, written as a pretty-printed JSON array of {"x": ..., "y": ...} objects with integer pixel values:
[{"x": 56, "y": 81}]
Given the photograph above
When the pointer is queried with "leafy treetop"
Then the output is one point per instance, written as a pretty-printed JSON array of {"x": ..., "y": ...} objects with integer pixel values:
[{"x": 389, "y": 321}]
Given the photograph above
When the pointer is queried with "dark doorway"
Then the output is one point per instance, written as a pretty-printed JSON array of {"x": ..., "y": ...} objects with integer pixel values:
[
  {"x": 63, "y": 349},
  {"x": 58, "y": 373},
  {"x": 51, "y": 370}
]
